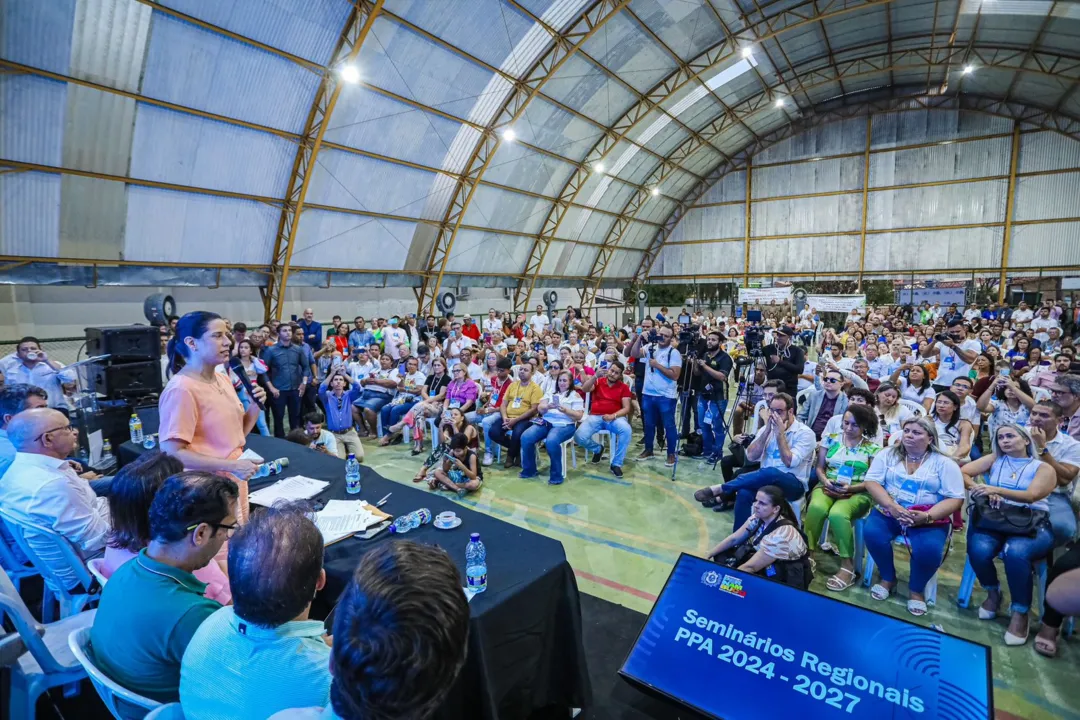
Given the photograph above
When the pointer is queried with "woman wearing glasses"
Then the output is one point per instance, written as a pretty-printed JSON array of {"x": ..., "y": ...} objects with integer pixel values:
[{"x": 203, "y": 422}]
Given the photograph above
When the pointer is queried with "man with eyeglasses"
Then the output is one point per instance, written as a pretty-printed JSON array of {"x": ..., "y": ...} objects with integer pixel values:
[
  {"x": 822, "y": 404},
  {"x": 153, "y": 604},
  {"x": 1066, "y": 392},
  {"x": 955, "y": 354},
  {"x": 41, "y": 487},
  {"x": 663, "y": 367}
]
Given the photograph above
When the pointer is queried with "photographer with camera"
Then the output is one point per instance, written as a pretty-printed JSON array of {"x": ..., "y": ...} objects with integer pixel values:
[
  {"x": 955, "y": 354},
  {"x": 785, "y": 360},
  {"x": 663, "y": 366},
  {"x": 711, "y": 372}
]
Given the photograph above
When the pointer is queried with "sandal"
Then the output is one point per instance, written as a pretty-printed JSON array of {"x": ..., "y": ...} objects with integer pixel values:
[
  {"x": 917, "y": 607},
  {"x": 838, "y": 584},
  {"x": 1046, "y": 648},
  {"x": 419, "y": 477},
  {"x": 880, "y": 592}
]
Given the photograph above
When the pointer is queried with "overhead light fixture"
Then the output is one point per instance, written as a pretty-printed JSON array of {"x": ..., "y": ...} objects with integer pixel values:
[
  {"x": 599, "y": 167},
  {"x": 748, "y": 51},
  {"x": 968, "y": 69},
  {"x": 508, "y": 135},
  {"x": 655, "y": 191},
  {"x": 350, "y": 74},
  {"x": 779, "y": 102}
]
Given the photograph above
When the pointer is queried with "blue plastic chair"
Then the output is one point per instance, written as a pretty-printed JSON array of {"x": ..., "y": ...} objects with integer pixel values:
[
  {"x": 930, "y": 592},
  {"x": 967, "y": 584}
]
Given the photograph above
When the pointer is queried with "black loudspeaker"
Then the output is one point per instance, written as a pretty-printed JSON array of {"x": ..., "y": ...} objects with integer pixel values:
[
  {"x": 125, "y": 380},
  {"x": 125, "y": 344}
]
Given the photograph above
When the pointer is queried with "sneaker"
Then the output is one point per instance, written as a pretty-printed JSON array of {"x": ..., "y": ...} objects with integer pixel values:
[
  {"x": 555, "y": 481},
  {"x": 597, "y": 456},
  {"x": 670, "y": 461},
  {"x": 488, "y": 460},
  {"x": 647, "y": 455},
  {"x": 616, "y": 471},
  {"x": 530, "y": 476}
]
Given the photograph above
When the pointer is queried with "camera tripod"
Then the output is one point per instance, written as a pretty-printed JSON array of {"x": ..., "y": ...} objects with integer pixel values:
[{"x": 743, "y": 394}]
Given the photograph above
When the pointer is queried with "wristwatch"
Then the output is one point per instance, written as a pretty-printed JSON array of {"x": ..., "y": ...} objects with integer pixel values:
[{"x": 1044, "y": 451}]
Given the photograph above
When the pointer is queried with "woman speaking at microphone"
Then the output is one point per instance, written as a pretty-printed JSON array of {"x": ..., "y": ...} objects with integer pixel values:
[{"x": 203, "y": 422}]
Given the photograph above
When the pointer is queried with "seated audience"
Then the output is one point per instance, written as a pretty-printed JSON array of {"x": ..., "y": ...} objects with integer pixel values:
[
  {"x": 823, "y": 404},
  {"x": 769, "y": 543},
  {"x": 609, "y": 409},
  {"x": 41, "y": 487},
  {"x": 432, "y": 397},
  {"x": 559, "y": 412},
  {"x": 1058, "y": 450},
  {"x": 379, "y": 388},
  {"x": 954, "y": 433},
  {"x": 891, "y": 412},
  {"x": 863, "y": 398},
  {"x": 914, "y": 383},
  {"x": 840, "y": 497},
  {"x": 1009, "y": 516},
  {"x": 263, "y": 654},
  {"x": 460, "y": 471},
  {"x": 409, "y": 393},
  {"x": 488, "y": 405},
  {"x": 1062, "y": 599},
  {"x": 521, "y": 403},
  {"x": 1007, "y": 401},
  {"x": 400, "y": 633},
  {"x": 133, "y": 491},
  {"x": 152, "y": 606},
  {"x": 455, "y": 423},
  {"x": 916, "y": 488}
]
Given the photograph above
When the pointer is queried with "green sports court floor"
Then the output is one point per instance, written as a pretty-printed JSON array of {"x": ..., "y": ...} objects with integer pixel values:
[{"x": 623, "y": 535}]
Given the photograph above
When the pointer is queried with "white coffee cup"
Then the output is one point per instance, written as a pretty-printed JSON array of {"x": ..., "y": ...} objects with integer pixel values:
[{"x": 446, "y": 517}]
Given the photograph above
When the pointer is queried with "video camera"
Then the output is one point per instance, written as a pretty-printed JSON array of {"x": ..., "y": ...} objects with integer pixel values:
[{"x": 688, "y": 340}]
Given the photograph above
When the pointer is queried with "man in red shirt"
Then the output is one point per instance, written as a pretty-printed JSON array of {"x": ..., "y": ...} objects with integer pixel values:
[
  {"x": 609, "y": 409},
  {"x": 471, "y": 329}
]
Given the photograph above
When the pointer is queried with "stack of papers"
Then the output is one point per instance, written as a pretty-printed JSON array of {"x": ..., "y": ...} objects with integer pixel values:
[
  {"x": 296, "y": 487},
  {"x": 343, "y": 518},
  {"x": 251, "y": 455}
]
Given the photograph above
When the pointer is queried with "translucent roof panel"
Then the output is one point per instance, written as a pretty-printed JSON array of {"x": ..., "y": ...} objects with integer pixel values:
[
  {"x": 658, "y": 132},
  {"x": 584, "y": 224},
  {"x": 585, "y": 87},
  {"x": 484, "y": 252},
  {"x": 505, "y": 210},
  {"x": 344, "y": 180},
  {"x": 625, "y": 48},
  {"x": 37, "y": 33},
  {"x": 340, "y": 240},
  {"x": 551, "y": 128},
  {"x": 518, "y": 166},
  {"x": 688, "y": 27},
  {"x": 486, "y": 29}
]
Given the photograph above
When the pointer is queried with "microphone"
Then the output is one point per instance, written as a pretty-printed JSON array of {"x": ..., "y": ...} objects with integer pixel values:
[{"x": 238, "y": 367}]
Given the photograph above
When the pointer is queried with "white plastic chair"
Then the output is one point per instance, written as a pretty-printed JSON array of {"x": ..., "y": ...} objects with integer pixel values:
[
  {"x": 598, "y": 434},
  {"x": 37, "y": 655},
  {"x": 569, "y": 442},
  {"x": 121, "y": 702},
  {"x": 753, "y": 428},
  {"x": 72, "y": 600},
  {"x": 95, "y": 568},
  {"x": 172, "y": 711},
  {"x": 916, "y": 408}
]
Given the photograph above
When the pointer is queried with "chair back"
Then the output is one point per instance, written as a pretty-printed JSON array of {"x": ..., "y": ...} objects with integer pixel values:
[
  {"x": 28, "y": 633},
  {"x": 16, "y": 567},
  {"x": 96, "y": 568},
  {"x": 172, "y": 711},
  {"x": 121, "y": 702},
  {"x": 753, "y": 428},
  {"x": 916, "y": 408},
  {"x": 62, "y": 554}
]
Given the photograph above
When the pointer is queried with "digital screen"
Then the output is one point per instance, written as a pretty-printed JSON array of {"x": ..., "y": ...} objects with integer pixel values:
[{"x": 735, "y": 646}]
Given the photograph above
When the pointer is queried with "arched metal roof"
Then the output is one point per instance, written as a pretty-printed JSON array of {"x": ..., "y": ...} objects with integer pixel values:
[{"x": 622, "y": 112}]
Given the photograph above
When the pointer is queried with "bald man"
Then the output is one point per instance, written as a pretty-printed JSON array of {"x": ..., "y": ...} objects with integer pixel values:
[
  {"x": 40, "y": 487},
  {"x": 312, "y": 330}
]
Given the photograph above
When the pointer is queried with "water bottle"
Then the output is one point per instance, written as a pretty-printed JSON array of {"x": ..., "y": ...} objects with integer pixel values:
[
  {"x": 415, "y": 519},
  {"x": 476, "y": 564},
  {"x": 271, "y": 468},
  {"x": 352, "y": 475},
  {"x": 135, "y": 428}
]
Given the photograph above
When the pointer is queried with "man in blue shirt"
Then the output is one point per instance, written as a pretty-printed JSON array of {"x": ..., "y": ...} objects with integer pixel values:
[
  {"x": 153, "y": 604},
  {"x": 263, "y": 654},
  {"x": 312, "y": 330},
  {"x": 288, "y": 375},
  {"x": 361, "y": 337}
]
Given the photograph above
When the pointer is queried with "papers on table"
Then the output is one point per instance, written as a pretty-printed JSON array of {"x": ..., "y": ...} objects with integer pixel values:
[
  {"x": 296, "y": 487},
  {"x": 253, "y": 456},
  {"x": 342, "y": 518},
  {"x": 97, "y": 444}
]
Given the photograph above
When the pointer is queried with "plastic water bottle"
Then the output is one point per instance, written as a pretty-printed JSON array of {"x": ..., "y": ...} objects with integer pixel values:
[
  {"x": 273, "y": 467},
  {"x": 476, "y": 564},
  {"x": 352, "y": 475},
  {"x": 415, "y": 519},
  {"x": 107, "y": 457},
  {"x": 135, "y": 428}
]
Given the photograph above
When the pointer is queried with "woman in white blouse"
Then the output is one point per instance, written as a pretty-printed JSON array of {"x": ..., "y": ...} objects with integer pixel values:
[
  {"x": 917, "y": 488},
  {"x": 560, "y": 410}
]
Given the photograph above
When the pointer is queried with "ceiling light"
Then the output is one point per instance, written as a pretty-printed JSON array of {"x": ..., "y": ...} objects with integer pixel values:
[
  {"x": 350, "y": 74},
  {"x": 599, "y": 167},
  {"x": 748, "y": 51},
  {"x": 779, "y": 102},
  {"x": 968, "y": 69},
  {"x": 508, "y": 135},
  {"x": 655, "y": 191}
]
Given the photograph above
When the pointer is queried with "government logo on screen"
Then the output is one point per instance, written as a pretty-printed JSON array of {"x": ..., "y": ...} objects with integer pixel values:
[{"x": 727, "y": 583}]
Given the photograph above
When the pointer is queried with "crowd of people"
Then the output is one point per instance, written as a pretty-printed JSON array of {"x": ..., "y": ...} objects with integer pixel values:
[{"x": 899, "y": 422}]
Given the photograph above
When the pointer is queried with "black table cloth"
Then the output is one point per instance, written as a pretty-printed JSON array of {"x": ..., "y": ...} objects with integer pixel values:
[{"x": 525, "y": 649}]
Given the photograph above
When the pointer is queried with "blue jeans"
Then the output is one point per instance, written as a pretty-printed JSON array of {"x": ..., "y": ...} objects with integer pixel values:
[
  {"x": 712, "y": 434},
  {"x": 746, "y": 485},
  {"x": 392, "y": 414},
  {"x": 373, "y": 400},
  {"x": 927, "y": 549},
  {"x": 1020, "y": 555},
  {"x": 620, "y": 433},
  {"x": 260, "y": 424},
  {"x": 659, "y": 412},
  {"x": 1062, "y": 518},
  {"x": 552, "y": 436}
]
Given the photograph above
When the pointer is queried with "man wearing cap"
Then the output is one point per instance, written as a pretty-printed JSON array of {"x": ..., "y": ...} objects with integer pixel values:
[
  {"x": 784, "y": 360},
  {"x": 471, "y": 330}
]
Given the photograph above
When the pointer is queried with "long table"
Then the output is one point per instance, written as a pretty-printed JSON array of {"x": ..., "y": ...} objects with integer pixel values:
[{"x": 525, "y": 649}]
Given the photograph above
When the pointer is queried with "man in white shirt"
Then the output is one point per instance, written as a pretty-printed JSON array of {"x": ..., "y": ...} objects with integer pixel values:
[
  {"x": 1023, "y": 315},
  {"x": 1062, "y": 453},
  {"x": 31, "y": 365},
  {"x": 396, "y": 340},
  {"x": 1041, "y": 324},
  {"x": 362, "y": 366},
  {"x": 663, "y": 366},
  {"x": 492, "y": 324},
  {"x": 40, "y": 487},
  {"x": 785, "y": 449},
  {"x": 972, "y": 311},
  {"x": 474, "y": 371},
  {"x": 956, "y": 354},
  {"x": 539, "y": 320},
  {"x": 455, "y": 341}
]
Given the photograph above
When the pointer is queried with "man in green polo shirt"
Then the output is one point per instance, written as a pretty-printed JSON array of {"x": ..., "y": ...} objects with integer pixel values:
[{"x": 153, "y": 604}]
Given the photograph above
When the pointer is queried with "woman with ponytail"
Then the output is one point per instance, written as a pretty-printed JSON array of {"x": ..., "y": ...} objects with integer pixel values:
[{"x": 203, "y": 422}]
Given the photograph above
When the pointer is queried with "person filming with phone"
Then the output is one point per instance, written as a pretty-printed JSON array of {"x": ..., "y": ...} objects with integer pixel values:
[
  {"x": 954, "y": 352},
  {"x": 711, "y": 372}
]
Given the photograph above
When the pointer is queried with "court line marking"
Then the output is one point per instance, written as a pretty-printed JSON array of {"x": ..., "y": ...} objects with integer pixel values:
[{"x": 615, "y": 585}]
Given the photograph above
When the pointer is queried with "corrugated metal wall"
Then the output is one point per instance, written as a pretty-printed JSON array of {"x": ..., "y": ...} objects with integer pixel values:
[{"x": 938, "y": 205}]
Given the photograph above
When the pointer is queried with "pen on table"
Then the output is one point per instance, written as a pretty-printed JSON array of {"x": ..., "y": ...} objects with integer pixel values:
[{"x": 381, "y": 502}]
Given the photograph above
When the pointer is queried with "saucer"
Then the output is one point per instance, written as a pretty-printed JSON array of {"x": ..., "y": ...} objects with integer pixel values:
[{"x": 448, "y": 526}]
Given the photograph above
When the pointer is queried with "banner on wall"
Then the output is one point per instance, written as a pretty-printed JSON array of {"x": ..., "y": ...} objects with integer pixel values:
[
  {"x": 835, "y": 303},
  {"x": 765, "y": 296}
]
